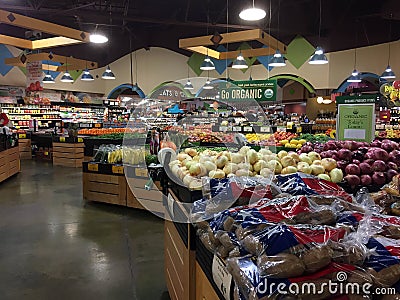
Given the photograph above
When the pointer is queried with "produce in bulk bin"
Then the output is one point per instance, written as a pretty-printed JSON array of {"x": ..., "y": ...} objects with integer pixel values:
[
  {"x": 362, "y": 163},
  {"x": 305, "y": 240},
  {"x": 194, "y": 163}
]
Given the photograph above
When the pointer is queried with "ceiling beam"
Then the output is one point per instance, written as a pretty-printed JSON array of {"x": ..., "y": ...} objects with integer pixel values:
[
  {"x": 47, "y": 27},
  {"x": 133, "y": 19}
]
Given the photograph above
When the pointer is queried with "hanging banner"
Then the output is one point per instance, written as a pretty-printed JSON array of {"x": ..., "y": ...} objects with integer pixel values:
[
  {"x": 34, "y": 76},
  {"x": 362, "y": 99},
  {"x": 356, "y": 122},
  {"x": 259, "y": 90}
]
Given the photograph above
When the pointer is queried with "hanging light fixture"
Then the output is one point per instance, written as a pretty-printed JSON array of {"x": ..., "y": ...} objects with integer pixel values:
[
  {"x": 86, "y": 76},
  {"x": 320, "y": 100},
  {"x": 208, "y": 85},
  {"x": 97, "y": 37},
  {"x": 355, "y": 77},
  {"x": 240, "y": 63},
  {"x": 108, "y": 74},
  {"x": 66, "y": 77},
  {"x": 318, "y": 58},
  {"x": 188, "y": 85},
  {"x": 388, "y": 73},
  {"x": 252, "y": 14},
  {"x": 207, "y": 64},
  {"x": 278, "y": 60},
  {"x": 48, "y": 78}
]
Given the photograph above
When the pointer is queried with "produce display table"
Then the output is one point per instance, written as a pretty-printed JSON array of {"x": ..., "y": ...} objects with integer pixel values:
[
  {"x": 188, "y": 264},
  {"x": 107, "y": 183},
  {"x": 68, "y": 154},
  {"x": 25, "y": 146},
  {"x": 104, "y": 188},
  {"x": 43, "y": 143},
  {"x": 9, "y": 163},
  {"x": 180, "y": 255}
]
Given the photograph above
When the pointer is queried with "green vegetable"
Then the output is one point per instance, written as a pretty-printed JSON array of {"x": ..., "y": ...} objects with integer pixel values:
[{"x": 151, "y": 159}]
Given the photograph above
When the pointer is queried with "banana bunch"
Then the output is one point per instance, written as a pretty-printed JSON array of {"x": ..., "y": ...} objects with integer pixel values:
[{"x": 115, "y": 156}]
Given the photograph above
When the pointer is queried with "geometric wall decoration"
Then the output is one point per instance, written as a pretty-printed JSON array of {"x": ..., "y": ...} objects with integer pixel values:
[
  {"x": 221, "y": 64},
  {"x": 264, "y": 60},
  {"x": 4, "y": 53},
  {"x": 195, "y": 62},
  {"x": 299, "y": 51}
]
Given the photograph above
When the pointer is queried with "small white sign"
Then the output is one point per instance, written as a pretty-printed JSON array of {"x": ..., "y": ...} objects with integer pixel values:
[
  {"x": 222, "y": 278},
  {"x": 170, "y": 202},
  {"x": 265, "y": 129},
  {"x": 354, "y": 134},
  {"x": 247, "y": 129}
]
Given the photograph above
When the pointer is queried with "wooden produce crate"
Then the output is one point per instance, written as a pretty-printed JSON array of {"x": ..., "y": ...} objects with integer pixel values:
[
  {"x": 68, "y": 154},
  {"x": 140, "y": 197},
  {"x": 104, "y": 188},
  {"x": 180, "y": 257},
  {"x": 25, "y": 148},
  {"x": 9, "y": 163},
  {"x": 204, "y": 289}
]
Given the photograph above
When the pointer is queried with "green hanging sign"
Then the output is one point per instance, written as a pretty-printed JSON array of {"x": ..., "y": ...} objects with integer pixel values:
[
  {"x": 356, "y": 122},
  {"x": 259, "y": 90},
  {"x": 356, "y": 99}
]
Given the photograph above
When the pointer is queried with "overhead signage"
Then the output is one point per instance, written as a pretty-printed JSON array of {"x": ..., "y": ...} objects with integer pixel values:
[
  {"x": 34, "y": 76},
  {"x": 356, "y": 122},
  {"x": 259, "y": 90},
  {"x": 363, "y": 99}
]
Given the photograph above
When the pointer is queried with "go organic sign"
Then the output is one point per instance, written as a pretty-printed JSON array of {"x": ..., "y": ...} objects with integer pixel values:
[{"x": 259, "y": 90}]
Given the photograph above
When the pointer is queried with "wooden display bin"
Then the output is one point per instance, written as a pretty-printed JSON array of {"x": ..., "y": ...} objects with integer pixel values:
[
  {"x": 68, "y": 154},
  {"x": 25, "y": 148},
  {"x": 9, "y": 163},
  {"x": 104, "y": 188},
  {"x": 204, "y": 288},
  {"x": 150, "y": 199},
  {"x": 180, "y": 260}
]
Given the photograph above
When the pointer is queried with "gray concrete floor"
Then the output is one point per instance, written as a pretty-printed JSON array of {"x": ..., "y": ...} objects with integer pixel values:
[{"x": 55, "y": 246}]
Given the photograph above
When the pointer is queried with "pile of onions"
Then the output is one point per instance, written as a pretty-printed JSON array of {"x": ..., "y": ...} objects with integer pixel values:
[{"x": 362, "y": 163}]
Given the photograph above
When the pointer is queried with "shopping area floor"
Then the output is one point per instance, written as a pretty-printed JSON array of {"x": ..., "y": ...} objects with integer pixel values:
[{"x": 55, "y": 246}]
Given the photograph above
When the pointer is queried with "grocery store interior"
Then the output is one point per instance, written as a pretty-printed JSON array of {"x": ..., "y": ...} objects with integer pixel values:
[{"x": 200, "y": 150}]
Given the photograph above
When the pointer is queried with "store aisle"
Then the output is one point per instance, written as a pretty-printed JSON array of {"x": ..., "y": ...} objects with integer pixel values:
[{"x": 53, "y": 245}]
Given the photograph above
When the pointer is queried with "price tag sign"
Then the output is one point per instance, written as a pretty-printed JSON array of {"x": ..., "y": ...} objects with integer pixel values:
[
  {"x": 139, "y": 172},
  {"x": 247, "y": 129},
  {"x": 289, "y": 125},
  {"x": 80, "y": 140},
  {"x": 221, "y": 276},
  {"x": 265, "y": 129},
  {"x": 22, "y": 136},
  {"x": 93, "y": 167},
  {"x": 236, "y": 128},
  {"x": 223, "y": 128},
  {"x": 62, "y": 139},
  {"x": 117, "y": 169},
  {"x": 97, "y": 125}
]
